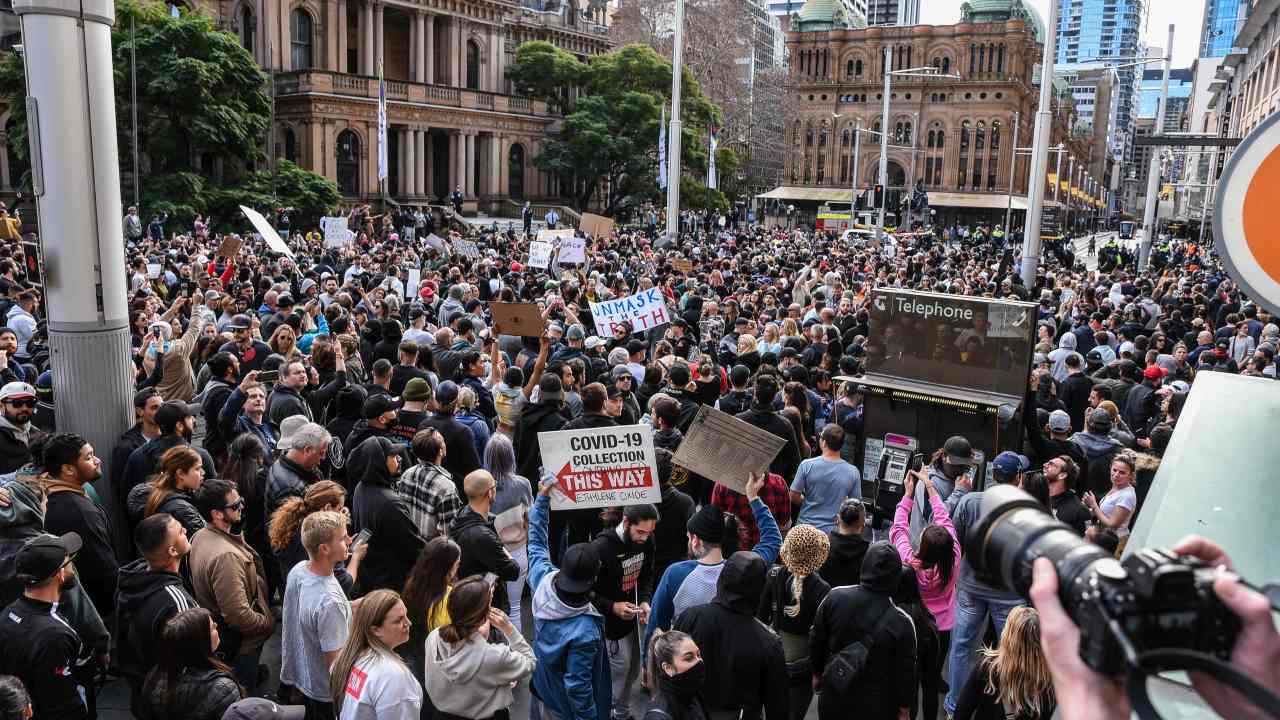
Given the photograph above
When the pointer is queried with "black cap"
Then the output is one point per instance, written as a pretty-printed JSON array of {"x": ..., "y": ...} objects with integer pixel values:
[
  {"x": 173, "y": 412},
  {"x": 377, "y": 405},
  {"x": 958, "y": 451},
  {"x": 285, "y": 300},
  {"x": 447, "y": 393},
  {"x": 43, "y": 555},
  {"x": 240, "y": 322},
  {"x": 707, "y": 523},
  {"x": 578, "y": 569},
  {"x": 612, "y": 391}
]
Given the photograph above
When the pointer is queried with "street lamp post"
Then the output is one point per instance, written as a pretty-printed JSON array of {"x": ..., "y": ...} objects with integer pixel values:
[
  {"x": 853, "y": 171},
  {"x": 673, "y": 138},
  {"x": 1039, "y": 155},
  {"x": 1153, "y": 167},
  {"x": 1013, "y": 169},
  {"x": 911, "y": 178}
]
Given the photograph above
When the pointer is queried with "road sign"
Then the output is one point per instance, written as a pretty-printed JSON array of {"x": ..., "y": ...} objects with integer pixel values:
[
  {"x": 601, "y": 467},
  {"x": 1244, "y": 214}
]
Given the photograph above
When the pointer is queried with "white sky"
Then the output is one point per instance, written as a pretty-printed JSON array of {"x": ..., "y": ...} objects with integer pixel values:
[{"x": 1187, "y": 15}]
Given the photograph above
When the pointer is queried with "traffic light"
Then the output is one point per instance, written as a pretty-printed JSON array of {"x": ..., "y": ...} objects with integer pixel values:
[{"x": 878, "y": 196}]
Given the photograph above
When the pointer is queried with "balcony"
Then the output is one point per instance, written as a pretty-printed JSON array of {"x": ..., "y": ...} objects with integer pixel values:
[{"x": 302, "y": 82}]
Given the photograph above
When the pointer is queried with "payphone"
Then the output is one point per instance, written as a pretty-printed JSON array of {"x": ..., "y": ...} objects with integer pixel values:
[{"x": 885, "y": 465}]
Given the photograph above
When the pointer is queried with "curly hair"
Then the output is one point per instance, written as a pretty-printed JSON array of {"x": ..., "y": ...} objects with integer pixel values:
[{"x": 286, "y": 521}]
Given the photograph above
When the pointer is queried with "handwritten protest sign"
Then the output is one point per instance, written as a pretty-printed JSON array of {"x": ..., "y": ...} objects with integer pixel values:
[
  {"x": 519, "y": 319},
  {"x": 682, "y": 266},
  {"x": 413, "y": 279},
  {"x": 466, "y": 248},
  {"x": 601, "y": 467},
  {"x": 722, "y": 447},
  {"x": 437, "y": 243},
  {"x": 230, "y": 245},
  {"x": 267, "y": 232},
  {"x": 539, "y": 254},
  {"x": 548, "y": 236},
  {"x": 573, "y": 250},
  {"x": 335, "y": 232},
  {"x": 596, "y": 225},
  {"x": 645, "y": 310},
  {"x": 154, "y": 270}
]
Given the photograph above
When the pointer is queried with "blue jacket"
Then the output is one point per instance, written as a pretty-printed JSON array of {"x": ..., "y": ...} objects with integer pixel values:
[{"x": 572, "y": 675}]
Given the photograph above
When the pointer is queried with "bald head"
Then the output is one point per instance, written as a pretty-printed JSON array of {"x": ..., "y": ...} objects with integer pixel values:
[{"x": 477, "y": 485}]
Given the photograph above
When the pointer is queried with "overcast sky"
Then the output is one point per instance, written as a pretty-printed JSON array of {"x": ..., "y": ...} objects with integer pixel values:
[{"x": 1186, "y": 14}]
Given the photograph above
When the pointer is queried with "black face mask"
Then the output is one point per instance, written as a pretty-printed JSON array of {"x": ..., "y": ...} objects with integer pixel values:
[{"x": 689, "y": 682}]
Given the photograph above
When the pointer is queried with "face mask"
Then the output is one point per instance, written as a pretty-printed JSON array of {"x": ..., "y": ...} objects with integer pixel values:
[
  {"x": 237, "y": 527},
  {"x": 690, "y": 681}
]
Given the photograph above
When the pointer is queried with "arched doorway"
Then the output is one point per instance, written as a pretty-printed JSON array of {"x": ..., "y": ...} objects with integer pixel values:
[
  {"x": 897, "y": 177},
  {"x": 348, "y": 163},
  {"x": 290, "y": 145},
  {"x": 515, "y": 172},
  {"x": 473, "y": 65}
]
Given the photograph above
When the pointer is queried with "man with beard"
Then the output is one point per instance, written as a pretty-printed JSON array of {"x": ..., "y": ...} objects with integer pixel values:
[
  {"x": 177, "y": 423},
  {"x": 18, "y": 402},
  {"x": 623, "y": 588},
  {"x": 71, "y": 464}
]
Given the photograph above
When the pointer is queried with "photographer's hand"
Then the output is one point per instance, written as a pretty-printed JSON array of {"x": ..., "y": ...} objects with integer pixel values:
[
  {"x": 1257, "y": 650},
  {"x": 1083, "y": 693}
]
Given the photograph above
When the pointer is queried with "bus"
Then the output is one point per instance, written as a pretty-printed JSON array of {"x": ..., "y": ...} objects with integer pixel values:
[{"x": 1126, "y": 230}]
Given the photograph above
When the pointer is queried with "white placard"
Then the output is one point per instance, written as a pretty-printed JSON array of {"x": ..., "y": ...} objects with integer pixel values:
[
  {"x": 335, "y": 231},
  {"x": 546, "y": 235},
  {"x": 268, "y": 233},
  {"x": 437, "y": 243},
  {"x": 466, "y": 248},
  {"x": 573, "y": 250},
  {"x": 601, "y": 467},
  {"x": 154, "y": 270},
  {"x": 413, "y": 279},
  {"x": 539, "y": 254},
  {"x": 645, "y": 310}
]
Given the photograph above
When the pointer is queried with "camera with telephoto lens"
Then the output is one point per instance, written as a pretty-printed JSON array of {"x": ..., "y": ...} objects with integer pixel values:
[{"x": 1154, "y": 600}]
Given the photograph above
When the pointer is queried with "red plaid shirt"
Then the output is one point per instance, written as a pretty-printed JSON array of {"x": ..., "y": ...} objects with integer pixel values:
[{"x": 775, "y": 496}]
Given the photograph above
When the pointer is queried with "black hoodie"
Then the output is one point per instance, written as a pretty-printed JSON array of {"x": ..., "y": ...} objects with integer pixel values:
[
  {"x": 394, "y": 542},
  {"x": 482, "y": 552},
  {"x": 626, "y": 575},
  {"x": 145, "y": 600},
  {"x": 746, "y": 666},
  {"x": 844, "y": 561}
]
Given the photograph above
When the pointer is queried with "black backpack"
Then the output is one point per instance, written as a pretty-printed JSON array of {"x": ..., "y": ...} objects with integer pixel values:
[{"x": 847, "y": 667}]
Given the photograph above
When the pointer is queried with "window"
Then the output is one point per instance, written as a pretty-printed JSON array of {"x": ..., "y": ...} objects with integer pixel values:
[
  {"x": 946, "y": 64},
  {"x": 964, "y": 172},
  {"x": 973, "y": 58},
  {"x": 300, "y": 35},
  {"x": 844, "y": 138},
  {"x": 808, "y": 137},
  {"x": 942, "y": 137},
  {"x": 848, "y": 71},
  {"x": 822, "y": 139},
  {"x": 979, "y": 136},
  {"x": 857, "y": 68},
  {"x": 822, "y": 170},
  {"x": 995, "y": 135},
  {"x": 473, "y": 65},
  {"x": 248, "y": 28},
  {"x": 928, "y": 166},
  {"x": 964, "y": 136},
  {"x": 290, "y": 145},
  {"x": 930, "y": 140},
  {"x": 348, "y": 163},
  {"x": 1000, "y": 60},
  {"x": 977, "y": 174}
]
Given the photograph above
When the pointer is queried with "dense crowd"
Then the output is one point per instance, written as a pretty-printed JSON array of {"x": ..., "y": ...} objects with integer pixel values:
[{"x": 334, "y": 445}]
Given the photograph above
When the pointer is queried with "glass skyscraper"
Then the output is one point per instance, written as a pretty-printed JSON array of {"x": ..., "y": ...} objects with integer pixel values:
[
  {"x": 1222, "y": 22},
  {"x": 1089, "y": 30}
]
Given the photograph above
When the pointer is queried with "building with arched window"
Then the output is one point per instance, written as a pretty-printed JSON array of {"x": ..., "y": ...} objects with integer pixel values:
[{"x": 950, "y": 136}]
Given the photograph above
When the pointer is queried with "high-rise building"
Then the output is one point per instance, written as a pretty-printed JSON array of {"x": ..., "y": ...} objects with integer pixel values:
[
  {"x": 893, "y": 12},
  {"x": 854, "y": 12},
  {"x": 1089, "y": 30},
  {"x": 1222, "y": 22},
  {"x": 1093, "y": 91},
  {"x": 1180, "y": 82}
]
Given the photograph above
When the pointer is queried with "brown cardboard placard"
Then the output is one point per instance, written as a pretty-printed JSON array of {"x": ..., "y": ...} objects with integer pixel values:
[
  {"x": 596, "y": 225},
  {"x": 519, "y": 319},
  {"x": 682, "y": 266},
  {"x": 725, "y": 449},
  {"x": 230, "y": 245}
]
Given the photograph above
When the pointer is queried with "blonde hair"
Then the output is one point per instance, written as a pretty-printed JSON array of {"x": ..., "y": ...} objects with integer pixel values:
[
  {"x": 466, "y": 399},
  {"x": 1111, "y": 409},
  {"x": 790, "y": 328},
  {"x": 321, "y": 527},
  {"x": 1017, "y": 666}
]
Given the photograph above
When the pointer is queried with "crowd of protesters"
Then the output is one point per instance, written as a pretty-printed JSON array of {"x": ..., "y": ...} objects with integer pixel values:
[{"x": 324, "y": 439}]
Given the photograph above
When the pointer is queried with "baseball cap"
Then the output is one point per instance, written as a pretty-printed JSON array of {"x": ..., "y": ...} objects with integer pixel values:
[
  {"x": 575, "y": 332},
  {"x": 593, "y": 342},
  {"x": 958, "y": 451},
  {"x": 1059, "y": 421},
  {"x": 1153, "y": 372},
  {"x": 378, "y": 404},
  {"x": 43, "y": 555},
  {"x": 170, "y": 413},
  {"x": 262, "y": 709},
  {"x": 15, "y": 390},
  {"x": 1010, "y": 463},
  {"x": 417, "y": 390},
  {"x": 240, "y": 322},
  {"x": 447, "y": 393},
  {"x": 612, "y": 391},
  {"x": 578, "y": 568},
  {"x": 1098, "y": 419}
]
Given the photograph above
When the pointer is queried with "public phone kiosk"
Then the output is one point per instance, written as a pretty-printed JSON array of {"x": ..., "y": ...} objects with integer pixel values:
[{"x": 939, "y": 365}]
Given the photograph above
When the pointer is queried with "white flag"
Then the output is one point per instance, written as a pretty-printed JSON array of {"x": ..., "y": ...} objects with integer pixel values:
[
  {"x": 662, "y": 150},
  {"x": 382, "y": 125}
]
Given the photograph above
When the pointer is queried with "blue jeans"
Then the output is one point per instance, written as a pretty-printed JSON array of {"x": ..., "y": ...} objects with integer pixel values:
[{"x": 971, "y": 622}]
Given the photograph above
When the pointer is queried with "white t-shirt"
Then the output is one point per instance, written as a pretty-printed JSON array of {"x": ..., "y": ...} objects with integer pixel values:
[
  {"x": 315, "y": 621},
  {"x": 1124, "y": 498},
  {"x": 380, "y": 687}
]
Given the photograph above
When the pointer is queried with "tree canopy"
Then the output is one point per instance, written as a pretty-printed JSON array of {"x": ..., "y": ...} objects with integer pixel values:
[{"x": 201, "y": 96}]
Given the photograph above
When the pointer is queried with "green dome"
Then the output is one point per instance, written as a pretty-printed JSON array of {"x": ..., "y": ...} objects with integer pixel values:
[
  {"x": 818, "y": 15},
  {"x": 980, "y": 11}
]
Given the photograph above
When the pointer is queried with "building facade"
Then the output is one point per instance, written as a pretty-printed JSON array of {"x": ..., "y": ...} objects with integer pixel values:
[
  {"x": 954, "y": 136},
  {"x": 453, "y": 120},
  {"x": 1093, "y": 91},
  {"x": 1222, "y": 22}
]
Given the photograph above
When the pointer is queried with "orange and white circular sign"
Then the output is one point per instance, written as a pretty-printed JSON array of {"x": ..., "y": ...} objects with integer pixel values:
[{"x": 1246, "y": 219}]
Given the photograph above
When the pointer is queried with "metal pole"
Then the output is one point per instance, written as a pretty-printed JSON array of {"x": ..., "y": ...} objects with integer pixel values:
[
  {"x": 884, "y": 144},
  {"x": 673, "y": 138},
  {"x": 1040, "y": 155},
  {"x": 1153, "y": 167},
  {"x": 1204, "y": 204},
  {"x": 1071, "y": 177},
  {"x": 133, "y": 81},
  {"x": 1057, "y": 174},
  {"x": 1013, "y": 168},
  {"x": 911, "y": 179},
  {"x": 853, "y": 172}
]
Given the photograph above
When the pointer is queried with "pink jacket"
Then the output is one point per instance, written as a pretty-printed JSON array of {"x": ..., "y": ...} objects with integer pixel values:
[{"x": 939, "y": 598}]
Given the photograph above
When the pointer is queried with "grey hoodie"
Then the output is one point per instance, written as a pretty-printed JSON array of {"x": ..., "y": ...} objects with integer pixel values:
[
  {"x": 474, "y": 678},
  {"x": 547, "y": 605}
]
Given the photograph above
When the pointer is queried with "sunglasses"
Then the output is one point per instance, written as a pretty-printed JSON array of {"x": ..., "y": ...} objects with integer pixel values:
[
  {"x": 24, "y": 402},
  {"x": 237, "y": 505}
]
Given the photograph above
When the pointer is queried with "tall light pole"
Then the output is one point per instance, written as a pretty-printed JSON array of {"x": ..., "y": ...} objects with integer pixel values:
[
  {"x": 673, "y": 138},
  {"x": 911, "y": 178},
  {"x": 853, "y": 171},
  {"x": 1013, "y": 170},
  {"x": 1153, "y": 167},
  {"x": 1039, "y": 154}
]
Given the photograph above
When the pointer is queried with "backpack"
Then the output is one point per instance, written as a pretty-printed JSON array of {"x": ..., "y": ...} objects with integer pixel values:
[
  {"x": 799, "y": 671},
  {"x": 847, "y": 667}
]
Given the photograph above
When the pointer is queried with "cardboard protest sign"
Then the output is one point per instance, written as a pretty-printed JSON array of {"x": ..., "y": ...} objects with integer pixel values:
[
  {"x": 573, "y": 250},
  {"x": 547, "y": 236},
  {"x": 540, "y": 254},
  {"x": 154, "y": 270},
  {"x": 267, "y": 232},
  {"x": 596, "y": 225},
  {"x": 682, "y": 266},
  {"x": 725, "y": 449},
  {"x": 519, "y": 319},
  {"x": 230, "y": 245},
  {"x": 645, "y": 310},
  {"x": 601, "y": 467},
  {"x": 466, "y": 248},
  {"x": 437, "y": 243}
]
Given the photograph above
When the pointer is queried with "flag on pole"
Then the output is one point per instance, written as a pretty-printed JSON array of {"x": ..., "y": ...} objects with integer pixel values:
[
  {"x": 713, "y": 132},
  {"x": 382, "y": 125},
  {"x": 662, "y": 150}
]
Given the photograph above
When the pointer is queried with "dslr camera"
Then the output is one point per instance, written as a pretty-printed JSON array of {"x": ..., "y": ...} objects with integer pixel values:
[{"x": 1153, "y": 601}]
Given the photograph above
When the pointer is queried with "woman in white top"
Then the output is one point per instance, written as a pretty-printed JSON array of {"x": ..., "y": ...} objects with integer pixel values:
[
  {"x": 467, "y": 676},
  {"x": 368, "y": 680},
  {"x": 1116, "y": 507}
]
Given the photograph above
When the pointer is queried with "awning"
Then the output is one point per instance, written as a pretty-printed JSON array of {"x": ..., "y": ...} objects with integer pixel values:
[
  {"x": 982, "y": 201},
  {"x": 807, "y": 194}
]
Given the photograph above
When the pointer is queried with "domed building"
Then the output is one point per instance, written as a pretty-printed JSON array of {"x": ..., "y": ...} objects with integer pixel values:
[{"x": 950, "y": 136}]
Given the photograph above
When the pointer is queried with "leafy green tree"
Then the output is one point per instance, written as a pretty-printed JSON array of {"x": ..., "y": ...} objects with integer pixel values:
[
  {"x": 200, "y": 94},
  {"x": 545, "y": 72}
]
